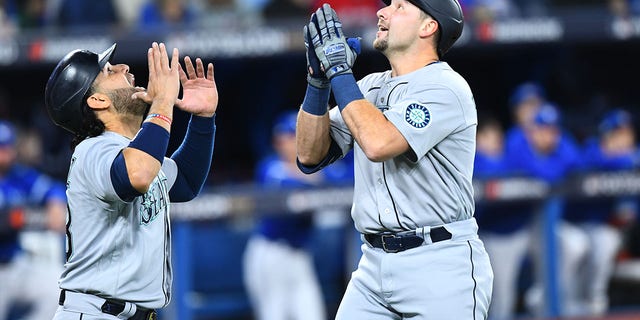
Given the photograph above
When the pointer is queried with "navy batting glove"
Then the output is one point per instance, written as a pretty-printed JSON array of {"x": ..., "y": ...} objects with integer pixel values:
[{"x": 331, "y": 47}]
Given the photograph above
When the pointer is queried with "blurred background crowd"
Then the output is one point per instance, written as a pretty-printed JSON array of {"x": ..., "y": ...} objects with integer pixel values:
[
  {"x": 552, "y": 111},
  {"x": 150, "y": 15}
]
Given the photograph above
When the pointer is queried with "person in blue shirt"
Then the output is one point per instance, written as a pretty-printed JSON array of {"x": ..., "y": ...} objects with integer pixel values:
[
  {"x": 279, "y": 271},
  {"x": 26, "y": 279},
  {"x": 491, "y": 160},
  {"x": 503, "y": 227},
  {"x": 551, "y": 154},
  {"x": 614, "y": 148},
  {"x": 524, "y": 102}
]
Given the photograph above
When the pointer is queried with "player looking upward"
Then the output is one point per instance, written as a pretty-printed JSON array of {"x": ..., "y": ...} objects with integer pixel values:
[
  {"x": 120, "y": 183},
  {"x": 412, "y": 129}
]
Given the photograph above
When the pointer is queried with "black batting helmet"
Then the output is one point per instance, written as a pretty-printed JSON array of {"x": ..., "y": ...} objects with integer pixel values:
[
  {"x": 448, "y": 13},
  {"x": 68, "y": 84}
]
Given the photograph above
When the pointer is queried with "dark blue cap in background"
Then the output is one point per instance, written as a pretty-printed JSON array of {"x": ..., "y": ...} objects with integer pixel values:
[
  {"x": 613, "y": 120},
  {"x": 285, "y": 123},
  {"x": 526, "y": 91}
]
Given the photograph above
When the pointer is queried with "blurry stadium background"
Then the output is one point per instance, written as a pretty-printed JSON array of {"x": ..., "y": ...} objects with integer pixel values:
[{"x": 583, "y": 52}]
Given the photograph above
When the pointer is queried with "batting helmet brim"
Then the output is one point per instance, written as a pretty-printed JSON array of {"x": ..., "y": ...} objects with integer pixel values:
[
  {"x": 69, "y": 82},
  {"x": 106, "y": 55}
]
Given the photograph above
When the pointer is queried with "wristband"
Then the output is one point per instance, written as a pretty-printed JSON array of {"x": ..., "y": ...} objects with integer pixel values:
[
  {"x": 345, "y": 90},
  {"x": 316, "y": 100},
  {"x": 159, "y": 116},
  {"x": 151, "y": 139}
]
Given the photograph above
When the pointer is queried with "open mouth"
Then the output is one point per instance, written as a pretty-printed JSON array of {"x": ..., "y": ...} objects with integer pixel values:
[{"x": 131, "y": 79}]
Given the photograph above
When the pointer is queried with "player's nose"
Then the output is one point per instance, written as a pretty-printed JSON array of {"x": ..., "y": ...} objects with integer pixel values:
[
  {"x": 121, "y": 68},
  {"x": 381, "y": 13}
]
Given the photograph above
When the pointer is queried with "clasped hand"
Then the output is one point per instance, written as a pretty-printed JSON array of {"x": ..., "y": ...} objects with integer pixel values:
[{"x": 326, "y": 44}]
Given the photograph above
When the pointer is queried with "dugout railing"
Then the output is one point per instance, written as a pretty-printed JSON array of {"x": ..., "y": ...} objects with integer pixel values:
[
  {"x": 207, "y": 275},
  {"x": 221, "y": 203}
]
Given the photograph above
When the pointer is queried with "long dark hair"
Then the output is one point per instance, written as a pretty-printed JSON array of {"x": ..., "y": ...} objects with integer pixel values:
[{"x": 91, "y": 125}]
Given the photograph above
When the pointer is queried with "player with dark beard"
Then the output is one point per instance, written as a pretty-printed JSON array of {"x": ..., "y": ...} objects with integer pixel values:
[{"x": 120, "y": 183}]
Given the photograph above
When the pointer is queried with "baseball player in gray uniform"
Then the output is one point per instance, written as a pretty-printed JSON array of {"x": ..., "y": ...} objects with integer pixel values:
[
  {"x": 412, "y": 129},
  {"x": 120, "y": 183}
]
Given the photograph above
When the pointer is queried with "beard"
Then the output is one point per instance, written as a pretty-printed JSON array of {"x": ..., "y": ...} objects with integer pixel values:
[
  {"x": 125, "y": 105},
  {"x": 381, "y": 44}
]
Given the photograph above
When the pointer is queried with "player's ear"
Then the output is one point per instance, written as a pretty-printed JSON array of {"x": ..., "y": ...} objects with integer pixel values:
[
  {"x": 428, "y": 27},
  {"x": 98, "y": 101}
]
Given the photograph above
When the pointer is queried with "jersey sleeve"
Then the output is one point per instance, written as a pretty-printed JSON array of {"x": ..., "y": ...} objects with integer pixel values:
[
  {"x": 92, "y": 167},
  {"x": 428, "y": 118},
  {"x": 339, "y": 131},
  {"x": 170, "y": 169}
]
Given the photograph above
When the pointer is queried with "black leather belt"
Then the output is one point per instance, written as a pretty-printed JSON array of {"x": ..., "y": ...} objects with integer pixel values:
[
  {"x": 397, "y": 242},
  {"x": 114, "y": 308}
]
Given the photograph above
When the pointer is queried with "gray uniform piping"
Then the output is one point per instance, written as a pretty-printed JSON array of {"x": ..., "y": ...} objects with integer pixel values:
[
  {"x": 391, "y": 91},
  {"x": 381, "y": 223},
  {"x": 167, "y": 266},
  {"x": 68, "y": 234},
  {"x": 435, "y": 150},
  {"x": 393, "y": 202},
  {"x": 373, "y": 88},
  {"x": 384, "y": 175},
  {"x": 475, "y": 283}
]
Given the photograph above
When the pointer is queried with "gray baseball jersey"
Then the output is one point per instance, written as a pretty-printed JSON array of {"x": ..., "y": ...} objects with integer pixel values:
[
  {"x": 117, "y": 249},
  {"x": 430, "y": 185}
]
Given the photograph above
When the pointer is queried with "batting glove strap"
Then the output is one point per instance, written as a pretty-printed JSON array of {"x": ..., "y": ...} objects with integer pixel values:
[
  {"x": 336, "y": 59},
  {"x": 320, "y": 83},
  {"x": 345, "y": 90}
]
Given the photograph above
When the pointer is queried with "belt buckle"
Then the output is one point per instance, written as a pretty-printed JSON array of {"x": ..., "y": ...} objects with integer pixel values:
[
  {"x": 153, "y": 315},
  {"x": 384, "y": 243}
]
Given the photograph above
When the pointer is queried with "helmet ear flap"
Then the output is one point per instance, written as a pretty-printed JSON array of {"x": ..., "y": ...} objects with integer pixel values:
[{"x": 69, "y": 83}]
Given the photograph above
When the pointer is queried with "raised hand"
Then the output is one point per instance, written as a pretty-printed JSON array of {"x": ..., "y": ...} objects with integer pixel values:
[
  {"x": 329, "y": 42},
  {"x": 200, "y": 93},
  {"x": 164, "y": 78},
  {"x": 315, "y": 75}
]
